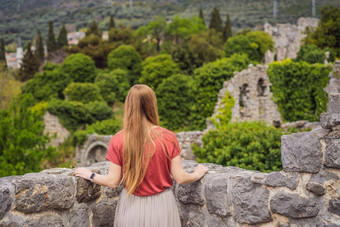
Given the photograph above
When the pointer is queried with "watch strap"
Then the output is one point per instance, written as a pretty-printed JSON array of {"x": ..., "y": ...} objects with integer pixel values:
[{"x": 92, "y": 176}]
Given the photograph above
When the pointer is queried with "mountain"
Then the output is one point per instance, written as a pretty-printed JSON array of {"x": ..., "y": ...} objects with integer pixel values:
[{"x": 23, "y": 17}]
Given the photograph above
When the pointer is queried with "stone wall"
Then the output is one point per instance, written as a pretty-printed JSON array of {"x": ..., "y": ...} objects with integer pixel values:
[
  {"x": 287, "y": 38},
  {"x": 305, "y": 193},
  {"x": 250, "y": 89},
  {"x": 333, "y": 85},
  {"x": 95, "y": 147},
  {"x": 53, "y": 127}
]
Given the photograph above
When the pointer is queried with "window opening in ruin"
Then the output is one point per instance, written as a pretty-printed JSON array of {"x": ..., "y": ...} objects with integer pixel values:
[
  {"x": 261, "y": 87},
  {"x": 243, "y": 95},
  {"x": 96, "y": 154}
]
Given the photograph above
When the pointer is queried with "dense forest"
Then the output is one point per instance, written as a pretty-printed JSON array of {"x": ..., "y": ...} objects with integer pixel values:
[{"x": 22, "y": 18}]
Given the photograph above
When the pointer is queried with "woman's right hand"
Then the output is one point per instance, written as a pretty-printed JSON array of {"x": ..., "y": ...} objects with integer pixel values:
[{"x": 200, "y": 170}]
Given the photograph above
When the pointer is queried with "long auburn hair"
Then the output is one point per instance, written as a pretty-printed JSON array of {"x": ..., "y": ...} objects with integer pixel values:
[{"x": 139, "y": 114}]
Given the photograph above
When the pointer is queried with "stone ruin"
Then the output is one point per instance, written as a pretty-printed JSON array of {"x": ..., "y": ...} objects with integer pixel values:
[
  {"x": 287, "y": 38},
  {"x": 305, "y": 193},
  {"x": 53, "y": 127},
  {"x": 250, "y": 90}
]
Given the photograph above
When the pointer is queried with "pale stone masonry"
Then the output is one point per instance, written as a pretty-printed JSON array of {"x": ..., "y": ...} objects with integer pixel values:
[{"x": 305, "y": 193}]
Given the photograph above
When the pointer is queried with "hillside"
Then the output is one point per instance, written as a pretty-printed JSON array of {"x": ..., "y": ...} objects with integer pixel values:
[{"x": 23, "y": 17}]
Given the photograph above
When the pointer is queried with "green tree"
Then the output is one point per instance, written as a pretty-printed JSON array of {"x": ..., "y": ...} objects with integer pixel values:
[
  {"x": 184, "y": 59},
  {"x": 156, "y": 69},
  {"x": 208, "y": 81},
  {"x": 9, "y": 87},
  {"x": 126, "y": 57},
  {"x": 51, "y": 42},
  {"x": 113, "y": 85},
  {"x": 123, "y": 35},
  {"x": 80, "y": 68},
  {"x": 93, "y": 29},
  {"x": 2, "y": 53},
  {"x": 62, "y": 38},
  {"x": 156, "y": 29},
  {"x": 48, "y": 84},
  {"x": 82, "y": 92},
  {"x": 201, "y": 16},
  {"x": 39, "y": 51},
  {"x": 94, "y": 47},
  {"x": 327, "y": 34},
  {"x": 112, "y": 22},
  {"x": 227, "y": 29},
  {"x": 249, "y": 145},
  {"x": 29, "y": 66},
  {"x": 175, "y": 99},
  {"x": 303, "y": 97},
  {"x": 216, "y": 21},
  {"x": 23, "y": 146},
  {"x": 254, "y": 44},
  {"x": 313, "y": 54}
]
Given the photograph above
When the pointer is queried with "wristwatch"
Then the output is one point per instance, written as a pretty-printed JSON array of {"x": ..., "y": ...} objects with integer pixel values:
[{"x": 92, "y": 176}]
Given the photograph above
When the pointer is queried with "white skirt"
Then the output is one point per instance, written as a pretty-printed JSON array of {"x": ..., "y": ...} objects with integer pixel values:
[{"x": 147, "y": 211}]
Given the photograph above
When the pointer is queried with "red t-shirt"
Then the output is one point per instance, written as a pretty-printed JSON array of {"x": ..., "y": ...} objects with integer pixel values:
[{"x": 157, "y": 177}]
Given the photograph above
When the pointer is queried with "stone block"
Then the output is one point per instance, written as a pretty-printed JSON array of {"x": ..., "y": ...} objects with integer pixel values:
[
  {"x": 293, "y": 205},
  {"x": 112, "y": 192},
  {"x": 6, "y": 191},
  {"x": 324, "y": 175},
  {"x": 46, "y": 220},
  {"x": 191, "y": 193},
  {"x": 37, "y": 192},
  {"x": 334, "y": 206},
  {"x": 79, "y": 215},
  {"x": 191, "y": 215},
  {"x": 216, "y": 194},
  {"x": 104, "y": 213},
  {"x": 277, "y": 179},
  {"x": 332, "y": 153},
  {"x": 86, "y": 190},
  {"x": 315, "y": 188},
  {"x": 329, "y": 121},
  {"x": 333, "y": 106},
  {"x": 250, "y": 201},
  {"x": 301, "y": 152}
]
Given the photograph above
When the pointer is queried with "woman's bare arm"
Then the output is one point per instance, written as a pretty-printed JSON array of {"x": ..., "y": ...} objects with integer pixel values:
[
  {"x": 181, "y": 176},
  {"x": 111, "y": 180}
]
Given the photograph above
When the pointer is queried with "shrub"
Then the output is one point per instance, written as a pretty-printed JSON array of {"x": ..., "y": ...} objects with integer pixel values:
[
  {"x": 126, "y": 57},
  {"x": 105, "y": 127},
  {"x": 249, "y": 145},
  {"x": 113, "y": 85},
  {"x": 23, "y": 145},
  {"x": 303, "y": 97},
  {"x": 313, "y": 54},
  {"x": 82, "y": 92},
  {"x": 175, "y": 98},
  {"x": 156, "y": 69},
  {"x": 222, "y": 119},
  {"x": 80, "y": 68}
]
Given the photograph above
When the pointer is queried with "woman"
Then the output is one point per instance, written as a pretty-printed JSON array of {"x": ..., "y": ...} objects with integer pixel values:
[{"x": 142, "y": 156}]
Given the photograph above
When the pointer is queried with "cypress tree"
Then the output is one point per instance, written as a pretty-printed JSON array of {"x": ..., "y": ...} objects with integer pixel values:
[
  {"x": 62, "y": 38},
  {"x": 216, "y": 21},
  {"x": 51, "y": 42},
  {"x": 39, "y": 44},
  {"x": 112, "y": 22},
  {"x": 29, "y": 66},
  {"x": 2, "y": 52},
  {"x": 93, "y": 29},
  {"x": 201, "y": 15},
  {"x": 227, "y": 29}
]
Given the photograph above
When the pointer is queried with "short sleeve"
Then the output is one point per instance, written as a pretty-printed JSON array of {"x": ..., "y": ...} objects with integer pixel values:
[
  {"x": 114, "y": 155},
  {"x": 176, "y": 150}
]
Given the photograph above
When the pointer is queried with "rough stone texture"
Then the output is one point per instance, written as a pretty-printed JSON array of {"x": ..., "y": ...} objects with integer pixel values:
[
  {"x": 216, "y": 194},
  {"x": 52, "y": 126},
  {"x": 87, "y": 191},
  {"x": 191, "y": 193},
  {"x": 252, "y": 88},
  {"x": 250, "y": 201},
  {"x": 333, "y": 85},
  {"x": 277, "y": 179},
  {"x": 185, "y": 139},
  {"x": 5, "y": 201},
  {"x": 79, "y": 216},
  {"x": 104, "y": 213},
  {"x": 334, "y": 206},
  {"x": 37, "y": 192},
  {"x": 287, "y": 38},
  {"x": 301, "y": 125},
  {"x": 332, "y": 153},
  {"x": 301, "y": 152},
  {"x": 315, "y": 188},
  {"x": 293, "y": 205}
]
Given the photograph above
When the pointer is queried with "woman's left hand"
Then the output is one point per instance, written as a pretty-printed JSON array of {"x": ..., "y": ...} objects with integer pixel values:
[{"x": 83, "y": 172}]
